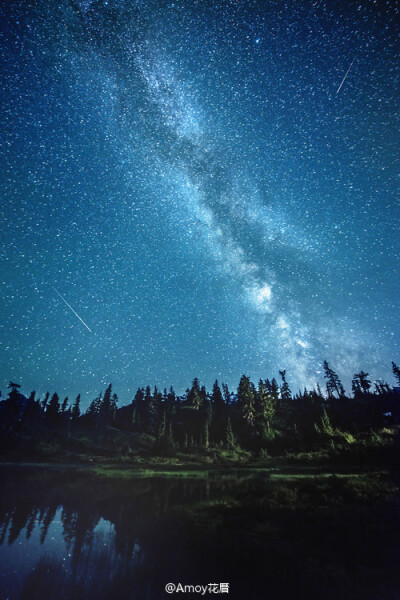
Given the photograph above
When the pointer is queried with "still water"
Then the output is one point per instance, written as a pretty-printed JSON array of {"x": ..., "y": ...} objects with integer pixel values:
[{"x": 72, "y": 535}]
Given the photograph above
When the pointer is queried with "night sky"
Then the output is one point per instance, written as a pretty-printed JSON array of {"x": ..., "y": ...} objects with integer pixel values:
[{"x": 211, "y": 186}]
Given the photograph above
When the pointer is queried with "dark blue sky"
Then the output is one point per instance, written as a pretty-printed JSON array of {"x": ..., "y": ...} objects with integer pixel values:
[{"x": 204, "y": 186}]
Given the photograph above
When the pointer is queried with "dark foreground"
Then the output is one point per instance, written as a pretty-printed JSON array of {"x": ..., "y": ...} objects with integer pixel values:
[{"x": 70, "y": 534}]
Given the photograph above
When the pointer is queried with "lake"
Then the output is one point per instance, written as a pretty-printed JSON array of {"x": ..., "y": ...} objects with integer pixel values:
[{"x": 73, "y": 534}]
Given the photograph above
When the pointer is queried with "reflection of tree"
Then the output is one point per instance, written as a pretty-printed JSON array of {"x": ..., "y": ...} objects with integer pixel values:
[
  {"x": 240, "y": 529},
  {"x": 31, "y": 522},
  {"x": 84, "y": 503},
  {"x": 5, "y": 518},
  {"x": 69, "y": 519},
  {"x": 83, "y": 534},
  {"x": 49, "y": 514},
  {"x": 18, "y": 521}
]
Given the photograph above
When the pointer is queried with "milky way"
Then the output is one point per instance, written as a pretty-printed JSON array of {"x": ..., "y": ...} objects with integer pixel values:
[{"x": 189, "y": 179}]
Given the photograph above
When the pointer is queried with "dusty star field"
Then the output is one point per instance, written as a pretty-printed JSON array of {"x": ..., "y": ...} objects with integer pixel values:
[{"x": 197, "y": 189}]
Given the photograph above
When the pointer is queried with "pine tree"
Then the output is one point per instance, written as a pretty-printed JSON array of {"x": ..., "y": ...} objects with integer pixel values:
[
  {"x": 162, "y": 425},
  {"x": 14, "y": 405},
  {"x": 147, "y": 416},
  {"x": 138, "y": 409},
  {"x": 64, "y": 405},
  {"x": 219, "y": 409},
  {"x": 286, "y": 394},
  {"x": 396, "y": 372},
  {"x": 229, "y": 437},
  {"x": 171, "y": 399},
  {"x": 14, "y": 387},
  {"x": 43, "y": 404},
  {"x": 94, "y": 408},
  {"x": 226, "y": 394},
  {"x": 333, "y": 383},
  {"x": 114, "y": 402},
  {"x": 361, "y": 384},
  {"x": 265, "y": 405},
  {"x": 76, "y": 411},
  {"x": 53, "y": 410},
  {"x": 194, "y": 397},
  {"x": 106, "y": 407},
  {"x": 325, "y": 428},
  {"x": 381, "y": 387},
  {"x": 246, "y": 400},
  {"x": 207, "y": 414}
]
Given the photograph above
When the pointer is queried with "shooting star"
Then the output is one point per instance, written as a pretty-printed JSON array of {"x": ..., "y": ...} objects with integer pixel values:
[
  {"x": 70, "y": 307},
  {"x": 343, "y": 80}
]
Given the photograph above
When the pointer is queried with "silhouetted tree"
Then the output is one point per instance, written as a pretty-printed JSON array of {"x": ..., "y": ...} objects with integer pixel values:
[
  {"x": 286, "y": 393},
  {"x": 76, "y": 411},
  {"x": 13, "y": 413},
  {"x": 219, "y": 409},
  {"x": 138, "y": 409},
  {"x": 229, "y": 437},
  {"x": 93, "y": 411},
  {"x": 207, "y": 414},
  {"x": 381, "y": 388},
  {"x": 64, "y": 405},
  {"x": 333, "y": 383},
  {"x": 246, "y": 400},
  {"x": 361, "y": 384},
  {"x": 194, "y": 396},
  {"x": 265, "y": 406},
  {"x": 43, "y": 404},
  {"x": 14, "y": 387},
  {"x": 396, "y": 372},
  {"x": 226, "y": 394},
  {"x": 53, "y": 410}
]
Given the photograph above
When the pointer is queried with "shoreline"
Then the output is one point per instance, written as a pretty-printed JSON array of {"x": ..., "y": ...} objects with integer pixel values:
[{"x": 115, "y": 470}]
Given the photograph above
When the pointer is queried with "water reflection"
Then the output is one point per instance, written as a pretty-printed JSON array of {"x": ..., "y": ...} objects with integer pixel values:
[
  {"x": 97, "y": 538},
  {"x": 72, "y": 536}
]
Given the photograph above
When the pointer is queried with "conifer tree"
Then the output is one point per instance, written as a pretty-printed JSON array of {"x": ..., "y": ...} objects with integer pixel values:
[
  {"x": 43, "y": 404},
  {"x": 64, "y": 405},
  {"x": 381, "y": 388},
  {"x": 207, "y": 414},
  {"x": 138, "y": 409},
  {"x": 14, "y": 405},
  {"x": 219, "y": 409},
  {"x": 226, "y": 394},
  {"x": 246, "y": 399},
  {"x": 325, "y": 427},
  {"x": 396, "y": 372},
  {"x": 162, "y": 425},
  {"x": 76, "y": 411},
  {"x": 53, "y": 410},
  {"x": 361, "y": 384},
  {"x": 106, "y": 406},
  {"x": 194, "y": 397},
  {"x": 94, "y": 408},
  {"x": 229, "y": 437},
  {"x": 286, "y": 393},
  {"x": 333, "y": 383},
  {"x": 265, "y": 405},
  {"x": 13, "y": 393}
]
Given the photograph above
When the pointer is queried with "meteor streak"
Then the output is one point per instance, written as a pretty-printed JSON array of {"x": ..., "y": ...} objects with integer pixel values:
[
  {"x": 347, "y": 72},
  {"x": 70, "y": 307}
]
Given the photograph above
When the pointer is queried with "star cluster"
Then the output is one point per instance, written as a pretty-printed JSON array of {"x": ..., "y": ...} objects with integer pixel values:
[{"x": 211, "y": 186}]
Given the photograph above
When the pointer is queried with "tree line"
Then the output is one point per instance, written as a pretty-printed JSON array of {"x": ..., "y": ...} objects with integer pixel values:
[{"x": 254, "y": 417}]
